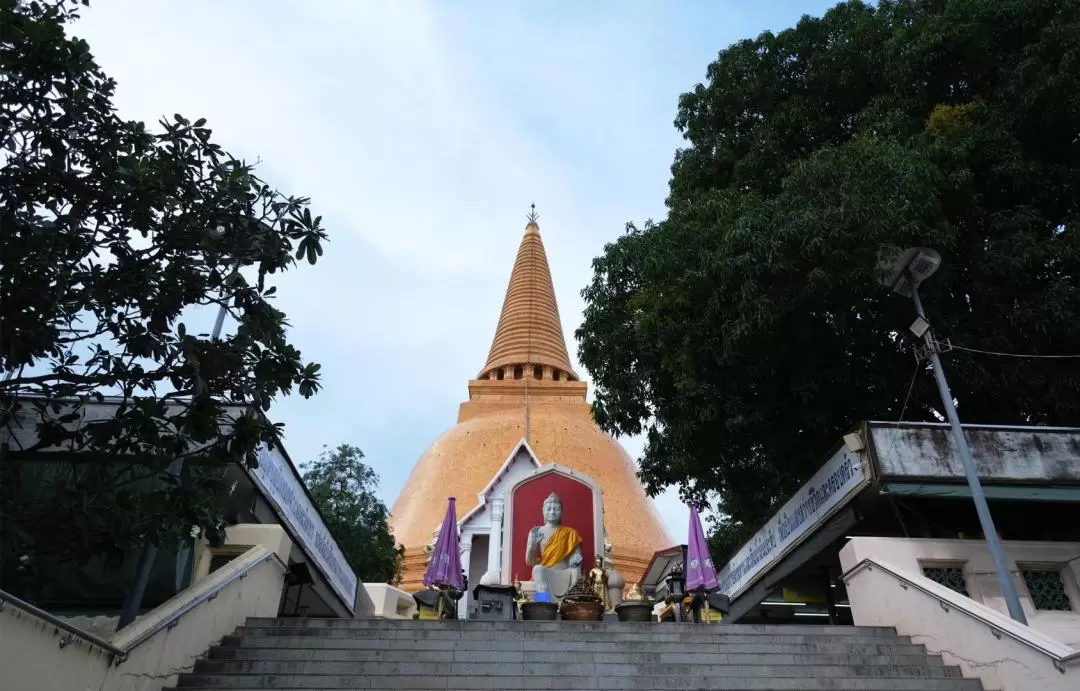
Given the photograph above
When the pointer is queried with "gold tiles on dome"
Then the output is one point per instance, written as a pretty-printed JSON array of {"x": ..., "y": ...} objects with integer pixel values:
[{"x": 529, "y": 330}]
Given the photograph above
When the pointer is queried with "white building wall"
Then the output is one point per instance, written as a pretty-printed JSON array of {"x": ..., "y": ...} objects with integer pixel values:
[{"x": 886, "y": 587}]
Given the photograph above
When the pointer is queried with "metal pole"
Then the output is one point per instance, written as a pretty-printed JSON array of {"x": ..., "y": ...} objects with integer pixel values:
[
  {"x": 993, "y": 542},
  {"x": 133, "y": 601}
]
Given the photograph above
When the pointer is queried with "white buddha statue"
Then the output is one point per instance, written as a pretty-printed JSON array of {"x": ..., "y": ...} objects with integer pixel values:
[{"x": 554, "y": 551}]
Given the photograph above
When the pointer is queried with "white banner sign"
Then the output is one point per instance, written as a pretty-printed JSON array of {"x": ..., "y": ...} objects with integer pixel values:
[
  {"x": 826, "y": 492},
  {"x": 279, "y": 483}
]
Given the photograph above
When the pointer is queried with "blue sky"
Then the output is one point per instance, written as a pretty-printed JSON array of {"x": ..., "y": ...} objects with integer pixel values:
[{"x": 422, "y": 132}]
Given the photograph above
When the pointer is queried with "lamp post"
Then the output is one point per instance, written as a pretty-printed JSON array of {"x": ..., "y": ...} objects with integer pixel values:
[
  {"x": 906, "y": 272},
  {"x": 133, "y": 601}
]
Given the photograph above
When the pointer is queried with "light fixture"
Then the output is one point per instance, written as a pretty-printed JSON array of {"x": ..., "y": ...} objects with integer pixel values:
[
  {"x": 913, "y": 265},
  {"x": 854, "y": 442},
  {"x": 919, "y": 327},
  {"x": 811, "y": 614},
  {"x": 784, "y": 604}
]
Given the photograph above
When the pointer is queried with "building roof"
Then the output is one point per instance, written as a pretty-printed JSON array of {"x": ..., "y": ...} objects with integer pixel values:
[{"x": 529, "y": 331}]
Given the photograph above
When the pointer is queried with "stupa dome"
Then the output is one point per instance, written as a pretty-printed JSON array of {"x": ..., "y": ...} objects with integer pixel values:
[{"x": 527, "y": 389}]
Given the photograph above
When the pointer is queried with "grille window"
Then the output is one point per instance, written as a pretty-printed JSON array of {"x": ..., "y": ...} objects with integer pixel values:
[
  {"x": 952, "y": 577},
  {"x": 1047, "y": 589}
]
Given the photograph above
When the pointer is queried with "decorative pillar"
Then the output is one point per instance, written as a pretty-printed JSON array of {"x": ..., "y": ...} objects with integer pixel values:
[
  {"x": 466, "y": 563},
  {"x": 494, "y": 562}
]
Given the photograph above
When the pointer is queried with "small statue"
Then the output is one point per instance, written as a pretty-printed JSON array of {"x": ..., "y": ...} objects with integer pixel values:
[
  {"x": 598, "y": 581},
  {"x": 635, "y": 594},
  {"x": 554, "y": 551},
  {"x": 520, "y": 597}
]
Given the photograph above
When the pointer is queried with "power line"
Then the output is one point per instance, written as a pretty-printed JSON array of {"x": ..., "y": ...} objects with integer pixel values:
[
  {"x": 910, "y": 388},
  {"x": 1016, "y": 355}
]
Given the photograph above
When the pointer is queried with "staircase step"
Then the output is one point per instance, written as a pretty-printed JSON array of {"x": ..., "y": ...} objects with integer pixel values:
[
  {"x": 572, "y": 627},
  {"x": 757, "y": 655},
  {"x": 308, "y": 654},
  {"x": 555, "y": 643},
  {"x": 531, "y": 668},
  {"x": 563, "y": 629},
  {"x": 576, "y": 683}
]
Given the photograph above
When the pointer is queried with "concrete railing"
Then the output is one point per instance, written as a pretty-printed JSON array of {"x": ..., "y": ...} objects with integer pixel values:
[
  {"x": 42, "y": 652},
  {"x": 385, "y": 601},
  {"x": 984, "y": 643}
]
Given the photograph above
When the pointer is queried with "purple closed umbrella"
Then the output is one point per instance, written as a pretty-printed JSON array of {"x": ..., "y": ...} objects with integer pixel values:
[
  {"x": 700, "y": 572},
  {"x": 444, "y": 569}
]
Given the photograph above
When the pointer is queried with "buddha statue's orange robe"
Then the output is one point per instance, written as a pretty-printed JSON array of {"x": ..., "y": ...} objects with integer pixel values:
[{"x": 560, "y": 545}]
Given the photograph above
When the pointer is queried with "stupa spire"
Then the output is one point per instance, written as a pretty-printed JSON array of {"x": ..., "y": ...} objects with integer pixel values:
[{"x": 530, "y": 331}]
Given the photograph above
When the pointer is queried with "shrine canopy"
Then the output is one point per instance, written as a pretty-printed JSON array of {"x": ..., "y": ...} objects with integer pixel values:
[
  {"x": 700, "y": 571},
  {"x": 444, "y": 569}
]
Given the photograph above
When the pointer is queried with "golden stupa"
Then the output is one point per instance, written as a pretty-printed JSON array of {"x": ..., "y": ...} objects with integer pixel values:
[{"x": 526, "y": 390}]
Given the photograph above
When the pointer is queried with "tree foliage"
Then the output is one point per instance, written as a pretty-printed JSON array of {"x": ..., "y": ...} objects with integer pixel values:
[
  {"x": 747, "y": 331},
  {"x": 111, "y": 234},
  {"x": 344, "y": 490}
]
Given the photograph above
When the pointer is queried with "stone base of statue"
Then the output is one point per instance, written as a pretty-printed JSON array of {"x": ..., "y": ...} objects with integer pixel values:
[
  {"x": 539, "y": 611},
  {"x": 556, "y": 582},
  {"x": 635, "y": 610}
]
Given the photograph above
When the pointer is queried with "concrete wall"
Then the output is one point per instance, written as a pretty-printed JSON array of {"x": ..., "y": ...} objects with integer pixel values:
[
  {"x": 388, "y": 602},
  {"x": 886, "y": 587},
  {"x": 1002, "y": 454},
  {"x": 972, "y": 555},
  {"x": 35, "y": 655},
  {"x": 238, "y": 540}
]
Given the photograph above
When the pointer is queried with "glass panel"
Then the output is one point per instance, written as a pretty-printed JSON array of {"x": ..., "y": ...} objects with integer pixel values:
[
  {"x": 952, "y": 577},
  {"x": 59, "y": 557},
  {"x": 1047, "y": 589}
]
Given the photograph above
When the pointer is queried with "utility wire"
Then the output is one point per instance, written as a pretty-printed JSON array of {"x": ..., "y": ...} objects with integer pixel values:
[
  {"x": 1016, "y": 355},
  {"x": 911, "y": 387}
]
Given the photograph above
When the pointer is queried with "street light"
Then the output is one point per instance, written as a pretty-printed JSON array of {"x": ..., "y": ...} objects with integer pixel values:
[
  {"x": 905, "y": 272},
  {"x": 133, "y": 600}
]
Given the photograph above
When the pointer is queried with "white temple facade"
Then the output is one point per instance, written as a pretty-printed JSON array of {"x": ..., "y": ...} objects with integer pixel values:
[{"x": 493, "y": 534}]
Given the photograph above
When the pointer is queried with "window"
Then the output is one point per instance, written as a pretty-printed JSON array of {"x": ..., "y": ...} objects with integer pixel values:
[
  {"x": 517, "y": 372},
  {"x": 219, "y": 560},
  {"x": 499, "y": 374},
  {"x": 1047, "y": 589},
  {"x": 538, "y": 372},
  {"x": 555, "y": 375},
  {"x": 952, "y": 577}
]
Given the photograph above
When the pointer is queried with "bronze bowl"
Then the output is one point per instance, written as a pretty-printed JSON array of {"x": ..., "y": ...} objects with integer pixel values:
[
  {"x": 635, "y": 610},
  {"x": 539, "y": 611},
  {"x": 582, "y": 610}
]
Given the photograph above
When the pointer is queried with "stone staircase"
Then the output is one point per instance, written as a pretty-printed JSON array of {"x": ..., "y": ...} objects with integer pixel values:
[{"x": 384, "y": 654}]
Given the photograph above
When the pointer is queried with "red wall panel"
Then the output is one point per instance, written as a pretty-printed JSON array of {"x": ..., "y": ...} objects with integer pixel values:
[{"x": 528, "y": 502}]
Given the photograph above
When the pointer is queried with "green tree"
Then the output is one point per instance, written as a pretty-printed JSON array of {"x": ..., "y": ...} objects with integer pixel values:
[
  {"x": 110, "y": 235},
  {"x": 344, "y": 490},
  {"x": 746, "y": 331}
]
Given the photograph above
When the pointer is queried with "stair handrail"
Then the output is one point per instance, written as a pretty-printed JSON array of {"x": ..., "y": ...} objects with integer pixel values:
[
  {"x": 258, "y": 554},
  {"x": 1060, "y": 660},
  {"x": 116, "y": 654}
]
